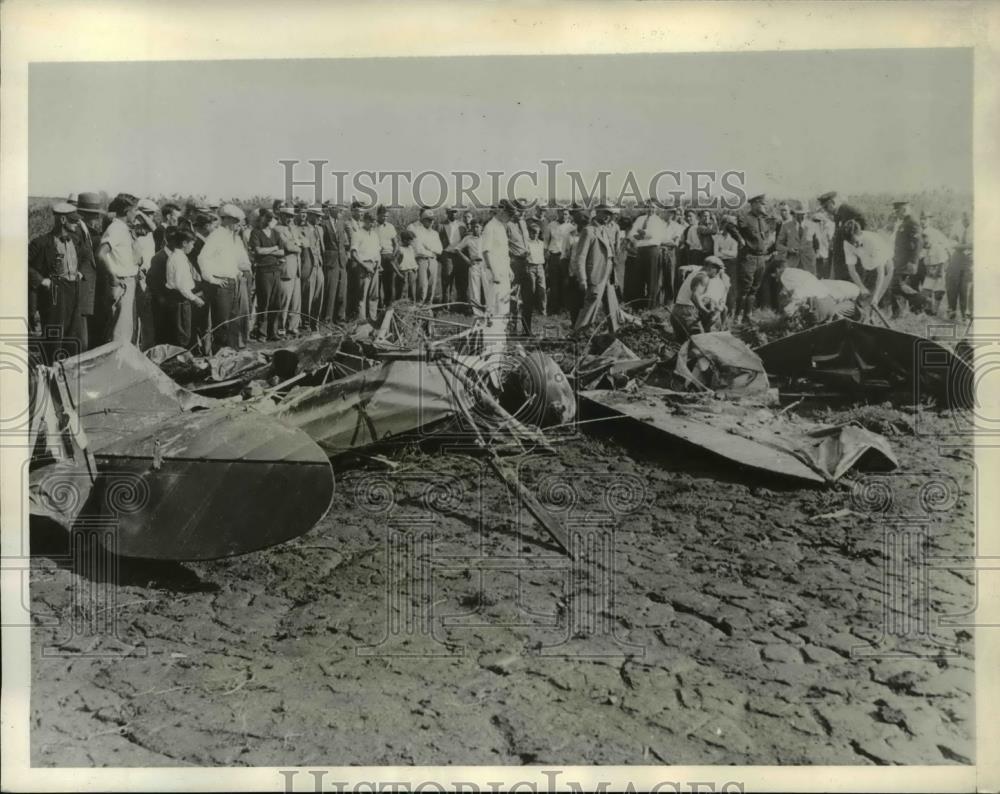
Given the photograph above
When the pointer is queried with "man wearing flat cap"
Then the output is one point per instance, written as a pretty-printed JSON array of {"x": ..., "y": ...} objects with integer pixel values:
[
  {"x": 55, "y": 277},
  {"x": 220, "y": 264},
  {"x": 841, "y": 212}
]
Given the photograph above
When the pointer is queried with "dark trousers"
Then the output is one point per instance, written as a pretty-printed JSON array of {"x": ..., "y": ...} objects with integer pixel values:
[
  {"x": 335, "y": 294},
  {"x": 177, "y": 314},
  {"x": 751, "y": 272},
  {"x": 958, "y": 283},
  {"x": 732, "y": 269},
  {"x": 649, "y": 264},
  {"x": 390, "y": 292},
  {"x": 449, "y": 261},
  {"x": 767, "y": 292},
  {"x": 268, "y": 294},
  {"x": 460, "y": 277},
  {"x": 668, "y": 263},
  {"x": 634, "y": 282},
  {"x": 60, "y": 314},
  {"x": 576, "y": 294},
  {"x": 557, "y": 278},
  {"x": 822, "y": 267},
  {"x": 220, "y": 299}
]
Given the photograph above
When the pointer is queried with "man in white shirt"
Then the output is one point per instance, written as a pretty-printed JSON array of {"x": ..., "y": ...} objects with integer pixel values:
[
  {"x": 671, "y": 240},
  {"x": 117, "y": 256},
  {"x": 220, "y": 263},
  {"x": 555, "y": 238},
  {"x": 958, "y": 277},
  {"x": 454, "y": 271},
  {"x": 646, "y": 236},
  {"x": 496, "y": 256},
  {"x": 366, "y": 256},
  {"x": 427, "y": 247}
]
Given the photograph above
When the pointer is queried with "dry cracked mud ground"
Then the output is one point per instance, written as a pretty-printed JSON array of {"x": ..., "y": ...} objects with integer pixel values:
[{"x": 711, "y": 618}]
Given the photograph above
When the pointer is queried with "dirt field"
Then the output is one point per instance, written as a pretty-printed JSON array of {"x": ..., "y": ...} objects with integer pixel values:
[{"x": 711, "y": 620}]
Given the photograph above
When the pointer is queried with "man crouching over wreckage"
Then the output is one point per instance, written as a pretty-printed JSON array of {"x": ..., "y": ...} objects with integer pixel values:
[{"x": 694, "y": 310}]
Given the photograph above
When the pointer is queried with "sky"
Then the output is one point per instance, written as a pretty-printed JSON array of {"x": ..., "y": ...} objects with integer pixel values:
[{"x": 797, "y": 123}]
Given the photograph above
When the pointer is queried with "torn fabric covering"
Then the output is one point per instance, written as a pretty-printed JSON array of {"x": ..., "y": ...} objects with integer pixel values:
[
  {"x": 753, "y": 437},
  {"x": 372, "y": 405},
  {"x": 721, "y": 363},
  {"x": 856, "y": 357},
  {"x": 183, "y": 477}
]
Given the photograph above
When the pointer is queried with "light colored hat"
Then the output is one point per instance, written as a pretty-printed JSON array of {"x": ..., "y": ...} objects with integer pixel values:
[
  {"x": 63, "y": 208},
  {"x": 71, "y": 198},
  {"x": 142, "y": 216},
  {"x": 215, "y": 204},
  {"x": 231, "y": 211},
  {"x": 714, "y": 260},
  {"x": 147, "y": 206},
  {"x": 285, "y": 209},
  {"x": 315, "y": 210},
  {"x": 426, "y": 214}
]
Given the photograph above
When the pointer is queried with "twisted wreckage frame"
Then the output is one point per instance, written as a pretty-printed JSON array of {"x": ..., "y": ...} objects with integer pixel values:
[{"x": 239, "y": 458}]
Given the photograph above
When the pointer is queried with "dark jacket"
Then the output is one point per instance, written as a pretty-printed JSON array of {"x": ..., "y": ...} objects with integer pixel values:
[
  {"x": 756, "y": 233},
  {"x": 42, "y": 264},
  {"x": 333, "y": 249},
  {"x": 908, "y": 246}
]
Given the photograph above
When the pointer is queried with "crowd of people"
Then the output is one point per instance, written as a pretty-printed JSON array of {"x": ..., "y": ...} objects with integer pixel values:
[{"x": 206, "y": 276}]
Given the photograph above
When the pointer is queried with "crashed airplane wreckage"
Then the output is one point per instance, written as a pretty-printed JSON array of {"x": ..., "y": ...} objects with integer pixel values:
[
  {"x": 718, "y": 401},
  {"x": 188, "y": 477}
]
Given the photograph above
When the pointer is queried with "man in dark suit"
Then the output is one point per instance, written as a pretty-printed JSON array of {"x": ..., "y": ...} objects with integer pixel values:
[
  {"x": 54, "y": 272},
  {"x": 796, "y": 244},
  {"x": 907, "y": 247},
  {"x": 334, "y": 267},
  {"x": 90, "y": 228},
  {"x": 454, "y": 269},
  {"x": 841, "y": 214}
]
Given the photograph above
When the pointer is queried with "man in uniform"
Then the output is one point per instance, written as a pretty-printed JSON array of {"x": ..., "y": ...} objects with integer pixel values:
[{"x": 755, "y": 231}]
